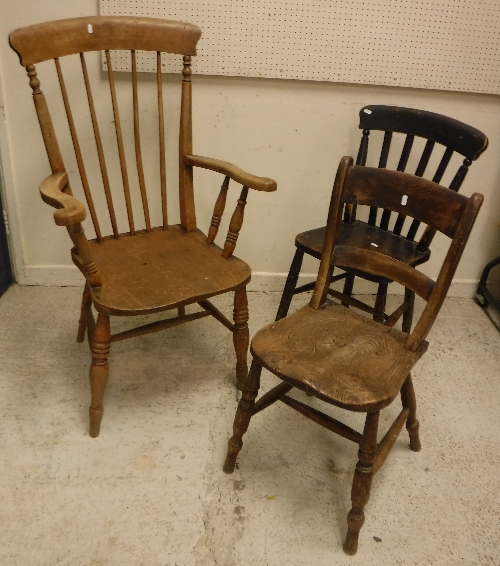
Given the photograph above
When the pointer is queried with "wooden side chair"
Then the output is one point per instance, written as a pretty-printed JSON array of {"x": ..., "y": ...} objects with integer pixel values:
[
  {"x": 344, "y": 358},
  {"x": 145, "y": 269},
  {"x": 382, "y": 229}
]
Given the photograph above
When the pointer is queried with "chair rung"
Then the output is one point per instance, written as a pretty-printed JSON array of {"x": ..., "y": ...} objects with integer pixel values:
[
  {"x": 353, "y": 302},
  {"x": 386, "y": 444},
  {"x": 322, "y": 419},
  {"x": 159, "y": 325},
  {"x": 310, "y": 286}
]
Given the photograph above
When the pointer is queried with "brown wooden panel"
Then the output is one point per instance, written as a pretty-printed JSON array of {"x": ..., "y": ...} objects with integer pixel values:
[
  {"x": 377, "y": 263},
  {"x": 426, "y": 201},
  {"x": 50, "y": 40}
]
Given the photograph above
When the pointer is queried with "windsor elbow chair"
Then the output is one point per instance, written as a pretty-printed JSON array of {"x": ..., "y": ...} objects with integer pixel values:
[
  {"x": 380, "y": 229},
  {"x": 344, "y": 358},
  {"x": 144, "y": 269}
]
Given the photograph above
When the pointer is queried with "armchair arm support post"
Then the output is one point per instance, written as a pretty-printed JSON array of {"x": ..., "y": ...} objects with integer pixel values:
[
  {"x": 92, "y": 272},
  {"x": 235, "y": 225},
  {"x": 218, "y": 212}
]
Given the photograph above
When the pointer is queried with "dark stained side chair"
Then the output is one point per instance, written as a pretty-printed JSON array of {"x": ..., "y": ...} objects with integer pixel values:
[
  {"x": 389, "y": 235},
  {"x": 346, "y": 359},
  {"x": 145, "y": 268}
]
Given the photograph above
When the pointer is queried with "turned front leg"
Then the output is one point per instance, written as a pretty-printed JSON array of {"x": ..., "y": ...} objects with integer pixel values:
[
  {"x": 241, "y": 336},
  {"x": 243, "y": 416},
  {"x": 362, "y": 482},
  {"x": 99, "y": 371}
]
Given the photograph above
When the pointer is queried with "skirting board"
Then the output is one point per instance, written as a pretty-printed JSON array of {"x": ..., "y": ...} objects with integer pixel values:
[{"x": 68, "y": 276}]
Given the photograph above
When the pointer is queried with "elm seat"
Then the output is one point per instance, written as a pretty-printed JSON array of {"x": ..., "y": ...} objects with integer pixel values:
[
  {"x": 338, "y": 356},
  {"x": 170, "y": 268}
]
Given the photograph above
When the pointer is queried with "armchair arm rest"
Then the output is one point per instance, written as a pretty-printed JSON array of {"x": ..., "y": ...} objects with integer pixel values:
[
  {"x": 70, "y": 210},
  {"x": 230, "y": 170}
]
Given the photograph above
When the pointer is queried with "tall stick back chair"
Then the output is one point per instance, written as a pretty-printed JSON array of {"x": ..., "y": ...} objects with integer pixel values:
[
  {"x": 344, "y": 358},
  {"x": 391, "y": 233},
  {"x": 152, "y": 269}
]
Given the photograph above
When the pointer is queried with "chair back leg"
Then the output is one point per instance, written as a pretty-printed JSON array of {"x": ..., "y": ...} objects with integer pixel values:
[
  {"x": 409, "y": 401},
  {"x": 290, "y": 285}
]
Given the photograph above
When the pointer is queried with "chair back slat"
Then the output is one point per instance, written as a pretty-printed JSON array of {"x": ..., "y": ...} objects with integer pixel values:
[
  {"x": 424, "y": 159},
  {"x": 119, "y": 140},
  {"x": 458, "y": 179},
  {"x": 384, "y": 154},
  {"x": 100, "y": 150},
  {"x": 443, "y": 164},
  {"x": 137, "y": 143},
  {"x": 405, "y": 154},
  {"x": 78, "y": 152},
  {"x": 161, "y": 130}
]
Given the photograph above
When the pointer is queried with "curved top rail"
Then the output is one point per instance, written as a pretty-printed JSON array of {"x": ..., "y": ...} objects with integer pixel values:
[
  {"x": 58, "y": 38},
  {"x": 456, "y": 135}
]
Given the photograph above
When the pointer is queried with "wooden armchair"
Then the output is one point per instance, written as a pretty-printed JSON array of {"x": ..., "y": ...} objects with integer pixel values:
[
  {"x": 346, "y": 359},
  {"x": 382, "y": 229},
  {"x": 147, "y": 269}
]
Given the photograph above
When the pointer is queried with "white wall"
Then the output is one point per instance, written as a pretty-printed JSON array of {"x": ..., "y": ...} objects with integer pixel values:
[{"x": 295, "y": 132}]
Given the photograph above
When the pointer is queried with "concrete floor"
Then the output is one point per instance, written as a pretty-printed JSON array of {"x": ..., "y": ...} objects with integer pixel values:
[{"x": 150, "y": 490}]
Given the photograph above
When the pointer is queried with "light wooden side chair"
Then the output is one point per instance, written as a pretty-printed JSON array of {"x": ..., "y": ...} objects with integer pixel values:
[
  {"x": 346, "y": 359},
  {"x": 393, "y": 235},
  {"x": 154, "y": 268}
]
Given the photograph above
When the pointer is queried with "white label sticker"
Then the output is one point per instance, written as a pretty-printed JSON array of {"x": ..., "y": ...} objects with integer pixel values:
[
  {"x": 374, "y": 245},
  {"x": 366, "y": 111},
  {"x": 404, "y": 200},
  {"x": 90, "y": 29}
]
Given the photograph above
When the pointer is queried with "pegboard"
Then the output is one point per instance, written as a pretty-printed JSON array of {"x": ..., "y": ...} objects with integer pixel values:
[{"x": 434, "y": 44}]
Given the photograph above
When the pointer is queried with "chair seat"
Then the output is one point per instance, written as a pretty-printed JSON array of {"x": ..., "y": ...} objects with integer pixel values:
[
  {"x": 359, "y": 234},
  {"x": 170, "y": 268},
  {"x": 337, "y": 355}
]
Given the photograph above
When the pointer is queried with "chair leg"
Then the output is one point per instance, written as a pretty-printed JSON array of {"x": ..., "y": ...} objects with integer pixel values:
[
  {"x": 348, "y": 286},
  {"x": 99, "y": 371},
  {"x": 291, "y": 283},
  {"x": 82, "y": 323},
  {"x": 380, "y": 303},
  {"x": 408, "y": 314},
  {"x": 409, "y": 401},
  {"x": 181, "y": 311},
  {"x": 362, "y": 482},
  {"x": 243, "y": 416},
  {"x": 241, "y": 335}
]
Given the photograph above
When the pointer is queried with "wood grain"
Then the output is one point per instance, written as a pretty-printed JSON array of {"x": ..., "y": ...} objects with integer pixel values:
[
  {"x": 51, "y": 40},
  {"x": 337, "y": 355}
]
